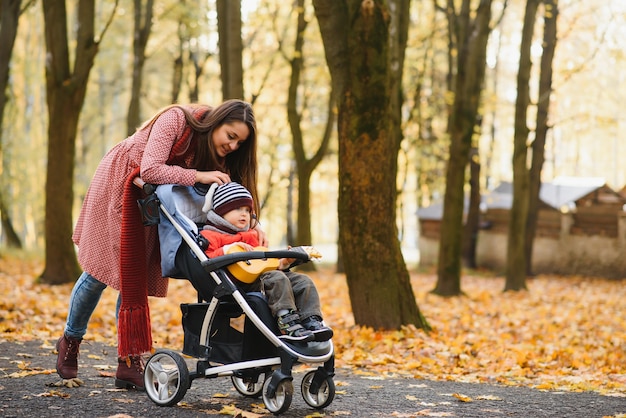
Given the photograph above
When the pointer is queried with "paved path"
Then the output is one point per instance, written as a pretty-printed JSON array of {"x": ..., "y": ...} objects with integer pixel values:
[{"x": 357, "y": 395}]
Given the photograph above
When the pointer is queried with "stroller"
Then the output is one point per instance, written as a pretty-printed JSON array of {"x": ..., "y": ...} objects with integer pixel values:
[{"x": 257, "y": 361}]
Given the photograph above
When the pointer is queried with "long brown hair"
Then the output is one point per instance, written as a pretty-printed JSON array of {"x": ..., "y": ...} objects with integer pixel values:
[{"x": 241, "y": 165}]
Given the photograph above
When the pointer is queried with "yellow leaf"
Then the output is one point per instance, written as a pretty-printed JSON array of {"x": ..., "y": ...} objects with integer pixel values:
[
  {"x": 52, "y": 393},
  {"x": 228, "y": 410},
  {"x": 462, "y": 398}
]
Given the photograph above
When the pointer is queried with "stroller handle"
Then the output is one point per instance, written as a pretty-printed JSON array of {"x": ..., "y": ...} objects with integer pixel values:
[
  {"x": 148, "y": 188},
  {"x": 228, "y": 259}
]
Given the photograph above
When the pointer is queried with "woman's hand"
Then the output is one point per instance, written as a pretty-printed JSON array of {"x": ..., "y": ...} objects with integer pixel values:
[
  {"x": 263, "y": 240},
  {"x": 208, "y": 177}
]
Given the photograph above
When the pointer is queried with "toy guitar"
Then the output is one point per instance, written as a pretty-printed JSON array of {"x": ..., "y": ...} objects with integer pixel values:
[{"x": 249, "y": 270}]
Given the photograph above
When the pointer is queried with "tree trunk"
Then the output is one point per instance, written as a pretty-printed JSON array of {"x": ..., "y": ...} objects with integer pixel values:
[
  {"x": 294, "y": 117},
  {"x": 65, "y": 96},
  {"x": 398, "y": 35},
  {"x": 470, "y": 232},
  {"x": 516, "y": 256},
  {"x": 471, "y": 42},
  {"x": 304, "y": 165},
  {"x": 190, "y": 45},
  {"x": 142, "y": 29},
  {"x": 378, "y": 281},
  {"x": 177, "y": 71},
  {"x": 493, "y": 134},
  {"x": 291, "y": 227},
  {"x": 9, "y": 16},
  {"x": 305, "y": 171},
  {"x": 543, "y": 106},
  {"x": 230, "y": 45},
  {"x": 331, "y": 17},
  {"x": 12, "y": 240}
]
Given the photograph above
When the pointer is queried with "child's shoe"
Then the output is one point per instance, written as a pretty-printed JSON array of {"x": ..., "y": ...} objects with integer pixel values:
[
  {"x": 320, "y": 331},
  {"x": 291, "y": 329}
]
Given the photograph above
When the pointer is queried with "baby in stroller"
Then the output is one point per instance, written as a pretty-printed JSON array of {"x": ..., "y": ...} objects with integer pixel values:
[
  {"x": 258, "y": 357},
  {"x": 292, "y": 297}
]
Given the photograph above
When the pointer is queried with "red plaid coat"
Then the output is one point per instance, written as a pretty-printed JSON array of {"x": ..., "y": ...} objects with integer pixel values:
[{"x": 98, "y": 229}]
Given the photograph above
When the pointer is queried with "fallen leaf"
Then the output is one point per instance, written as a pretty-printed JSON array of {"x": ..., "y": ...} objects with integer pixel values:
[
  {"x": 123, "y": 400},
  {"x": 53, "y": 393},
  {"x": 229, "y": 410},
  {"x": 69, "y": 383},
  {"x": 564, "y": 333},
  {"x": 462, "y": 398},
  {"x": 25, "y": 355}
]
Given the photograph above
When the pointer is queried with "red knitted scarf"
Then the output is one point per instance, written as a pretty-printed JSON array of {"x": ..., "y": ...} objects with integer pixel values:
[{"x": 134, "y": 334}]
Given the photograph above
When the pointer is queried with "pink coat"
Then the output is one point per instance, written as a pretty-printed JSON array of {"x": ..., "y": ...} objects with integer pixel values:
[{"x": 98, "y": 229}]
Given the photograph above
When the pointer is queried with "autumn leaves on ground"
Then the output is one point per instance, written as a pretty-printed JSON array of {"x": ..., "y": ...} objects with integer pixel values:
[{"x": 564, "y": 333}]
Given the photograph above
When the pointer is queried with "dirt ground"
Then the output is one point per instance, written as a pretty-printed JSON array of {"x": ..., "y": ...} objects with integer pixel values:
[{"x": 28, "y": 378}]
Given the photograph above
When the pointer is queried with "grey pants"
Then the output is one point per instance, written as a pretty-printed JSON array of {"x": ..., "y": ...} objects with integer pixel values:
[{"x": 289, "y": 290}]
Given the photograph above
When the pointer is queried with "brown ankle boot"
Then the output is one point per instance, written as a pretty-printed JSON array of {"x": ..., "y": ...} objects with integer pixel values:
[
  {"x": 67, "y": 359},
  {"x": 129, "y": 373}
]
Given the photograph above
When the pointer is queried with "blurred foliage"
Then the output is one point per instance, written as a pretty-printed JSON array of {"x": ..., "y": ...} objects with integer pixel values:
[{"x": 585, "y": 113}]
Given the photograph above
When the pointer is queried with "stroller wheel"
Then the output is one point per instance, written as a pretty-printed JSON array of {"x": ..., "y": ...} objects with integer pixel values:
[
  {"x": 249, "y": 388},
  {"x": 166, "y": 378},
  {"x": 323, "y": 396},
  {"x": 282, "y": 398}
]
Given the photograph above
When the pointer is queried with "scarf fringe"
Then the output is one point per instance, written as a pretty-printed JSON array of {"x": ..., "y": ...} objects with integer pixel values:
[{"x": 136, "y": 322}]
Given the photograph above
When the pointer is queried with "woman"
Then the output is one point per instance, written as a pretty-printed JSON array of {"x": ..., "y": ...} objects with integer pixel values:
[{"x": 179, "y": 145}]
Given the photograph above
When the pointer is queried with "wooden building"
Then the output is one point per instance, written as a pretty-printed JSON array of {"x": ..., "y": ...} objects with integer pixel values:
[{"x": 581, "y": 229}]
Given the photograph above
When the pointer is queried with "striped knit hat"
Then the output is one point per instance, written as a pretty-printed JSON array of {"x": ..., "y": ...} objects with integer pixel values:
[{"x": 231, "y": 196}]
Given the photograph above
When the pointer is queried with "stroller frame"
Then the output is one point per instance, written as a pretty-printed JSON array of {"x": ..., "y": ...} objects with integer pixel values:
[{"x": 167, "y": 377}]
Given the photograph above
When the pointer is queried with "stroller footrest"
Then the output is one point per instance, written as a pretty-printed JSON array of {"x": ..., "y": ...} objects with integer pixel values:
[{"x": 192, "y": 348}]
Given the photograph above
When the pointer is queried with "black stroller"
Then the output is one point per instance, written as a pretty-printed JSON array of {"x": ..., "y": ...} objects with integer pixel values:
[{"x": 257, "y": 361}]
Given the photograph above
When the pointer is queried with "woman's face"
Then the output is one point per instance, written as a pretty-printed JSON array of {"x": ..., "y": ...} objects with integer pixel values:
[{"x": 229, "y": 137}]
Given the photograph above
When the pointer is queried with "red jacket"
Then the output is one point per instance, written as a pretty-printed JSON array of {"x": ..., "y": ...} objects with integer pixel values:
[{"x": 217, "y": 240}]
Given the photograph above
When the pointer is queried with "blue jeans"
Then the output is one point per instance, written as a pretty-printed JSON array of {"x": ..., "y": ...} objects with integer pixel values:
[{"x": 83, "y": 301}]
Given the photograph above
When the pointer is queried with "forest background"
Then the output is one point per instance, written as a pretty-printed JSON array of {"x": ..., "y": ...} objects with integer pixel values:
[
  {"x": 585, "y": 114},
  {"x": 419, "y": 91},
  {"x": 585, "y": 125}
]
